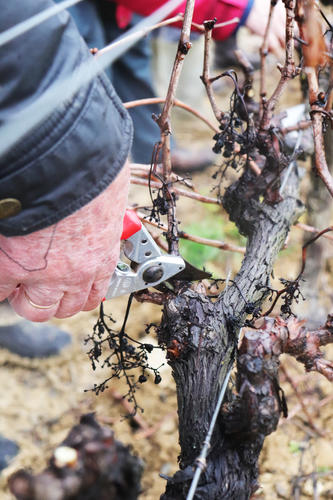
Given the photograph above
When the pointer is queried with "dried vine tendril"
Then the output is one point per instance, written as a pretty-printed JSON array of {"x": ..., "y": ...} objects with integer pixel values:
[{"x": 236, "y": 129}]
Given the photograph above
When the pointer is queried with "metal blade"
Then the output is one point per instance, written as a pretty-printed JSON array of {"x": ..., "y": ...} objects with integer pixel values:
[{"x": 191, "y": 273}]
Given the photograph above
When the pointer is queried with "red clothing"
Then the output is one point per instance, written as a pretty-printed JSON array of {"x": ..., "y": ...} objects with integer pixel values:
[{"x": 204, "y": 10}]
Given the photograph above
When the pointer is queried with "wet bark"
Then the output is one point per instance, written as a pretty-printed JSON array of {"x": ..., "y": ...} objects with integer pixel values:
[{"x": 201, "y": 334}]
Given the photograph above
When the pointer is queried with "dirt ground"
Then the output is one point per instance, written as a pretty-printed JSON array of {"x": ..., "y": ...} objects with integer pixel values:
[{"x": 40, "y": 400}]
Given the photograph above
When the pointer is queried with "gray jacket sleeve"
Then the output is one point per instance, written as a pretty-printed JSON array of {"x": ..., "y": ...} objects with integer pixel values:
[{"x": 73, "y": 155}]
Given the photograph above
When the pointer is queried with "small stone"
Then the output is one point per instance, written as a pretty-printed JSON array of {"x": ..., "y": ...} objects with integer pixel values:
[
  {"x": 282, "y": 491},
  {"x": 166, "y": 469},
  {"x": 65, "y": 456}
]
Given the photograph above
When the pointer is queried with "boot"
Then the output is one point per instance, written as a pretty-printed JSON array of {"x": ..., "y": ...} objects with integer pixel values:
[
  {"x": 224, "y": 55},
  {"x": 33, "y": 340},
  {"x": 8, "y": 450},
  {"x": 188, "y": 161}
]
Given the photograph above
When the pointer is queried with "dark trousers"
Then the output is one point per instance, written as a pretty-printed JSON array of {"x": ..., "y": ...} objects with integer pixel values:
[{"x": 131, "y": 74}]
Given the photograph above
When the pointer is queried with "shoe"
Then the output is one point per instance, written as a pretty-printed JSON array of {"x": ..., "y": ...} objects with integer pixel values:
[
  {"x": 188, "y": 161},
  {"x": 33, "y": 340},
  {"x": 224, "y": 55},
  {"x": 8, "y": 450}
]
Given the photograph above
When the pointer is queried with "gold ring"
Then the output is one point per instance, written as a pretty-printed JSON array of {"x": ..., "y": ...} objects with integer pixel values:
[{"x": 37, "y": 306}]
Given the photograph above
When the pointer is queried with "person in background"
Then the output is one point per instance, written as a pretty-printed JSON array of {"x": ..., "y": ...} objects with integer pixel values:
[{"x": 100, "y": 22}]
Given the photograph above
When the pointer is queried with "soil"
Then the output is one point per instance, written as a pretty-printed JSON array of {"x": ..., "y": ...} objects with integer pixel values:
[{"x": 40, "y": 400}]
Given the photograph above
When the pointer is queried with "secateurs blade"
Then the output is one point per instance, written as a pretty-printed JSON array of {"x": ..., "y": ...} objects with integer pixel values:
[{"x": 148, "y": 265}]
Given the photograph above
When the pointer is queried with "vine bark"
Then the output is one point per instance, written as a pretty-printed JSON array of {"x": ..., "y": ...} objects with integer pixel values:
[{"x": 201, "y": 335}]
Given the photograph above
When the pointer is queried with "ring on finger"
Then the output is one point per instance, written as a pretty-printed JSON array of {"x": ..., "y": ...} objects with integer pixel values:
[{"x": 38, "y": 306}]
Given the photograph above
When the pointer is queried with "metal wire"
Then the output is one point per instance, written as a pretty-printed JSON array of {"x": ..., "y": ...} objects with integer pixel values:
[
  {"x": 201, "y": 460},
  {"x": 292, "y": 164},
  {"x": 33, "y": 21},
  {"x": 23, "y": 122}
]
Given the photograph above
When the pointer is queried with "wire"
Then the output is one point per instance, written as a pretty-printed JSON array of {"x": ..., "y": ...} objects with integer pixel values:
[
  {"x": 201, "y": 460},
  {"x": 23, "y": 122},
  {"x": 293, "y": 163},
  {"x": 32, "y": 22}
]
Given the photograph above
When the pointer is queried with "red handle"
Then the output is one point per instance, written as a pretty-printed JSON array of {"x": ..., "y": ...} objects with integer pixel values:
[{"x": 131, "y": 225}]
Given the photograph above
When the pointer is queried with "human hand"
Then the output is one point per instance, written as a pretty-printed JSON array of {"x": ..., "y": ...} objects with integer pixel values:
[
  {"x": 257, "y": 22},
  {"x": 65, "y": 268}
]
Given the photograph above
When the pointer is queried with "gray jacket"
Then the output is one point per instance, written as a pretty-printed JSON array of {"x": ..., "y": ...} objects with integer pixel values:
[{"x": 79, "y": 149}]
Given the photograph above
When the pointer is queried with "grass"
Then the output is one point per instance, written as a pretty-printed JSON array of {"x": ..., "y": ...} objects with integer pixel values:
[{"x": 212, "y": 225}]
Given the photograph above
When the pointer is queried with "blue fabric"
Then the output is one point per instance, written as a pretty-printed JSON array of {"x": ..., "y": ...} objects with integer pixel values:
[
  {"x": 246, "y": 13},
  {"x": 8, "y": 450},
  {"x": 71, "y": 157},
  {"x": 131, "y": 74}
]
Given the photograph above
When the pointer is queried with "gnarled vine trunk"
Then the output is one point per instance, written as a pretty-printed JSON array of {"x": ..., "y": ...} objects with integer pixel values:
[{"x": 202, "y": 333}]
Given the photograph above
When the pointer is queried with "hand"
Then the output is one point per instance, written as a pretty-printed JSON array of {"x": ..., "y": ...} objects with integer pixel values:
[
  {"x": 66, "y": 268},
  {"x": 257, "y": 22}
]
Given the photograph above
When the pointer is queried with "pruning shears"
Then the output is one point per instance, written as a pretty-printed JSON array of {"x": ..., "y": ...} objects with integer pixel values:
[{"x": 148, "y": 265}]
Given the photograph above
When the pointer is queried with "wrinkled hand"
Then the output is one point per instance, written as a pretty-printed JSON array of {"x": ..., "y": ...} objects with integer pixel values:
[
  {"x": 257, "y": 22},
  {"x": 68, "y": 265}
]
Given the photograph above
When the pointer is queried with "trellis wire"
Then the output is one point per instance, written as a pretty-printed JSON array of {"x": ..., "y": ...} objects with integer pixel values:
[
  {"x": 33, "y": 21},
  {"x": 58, "y": 94},
  {"x": 201, "y": 460},
  {"x": 292, "y": 164}
]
